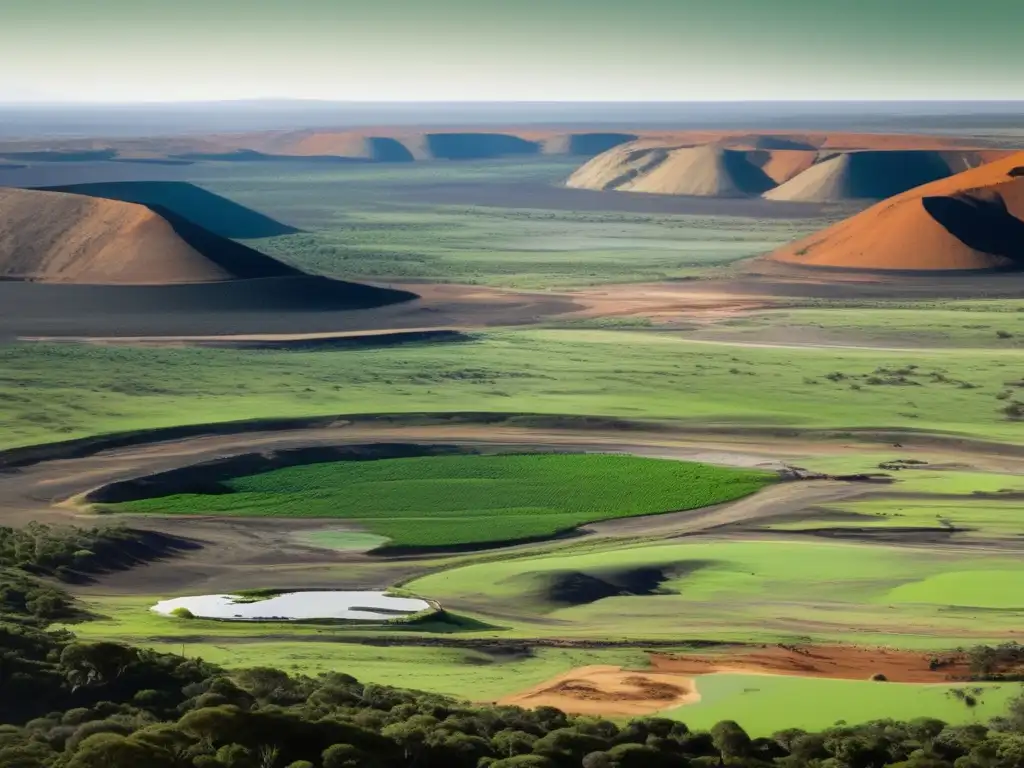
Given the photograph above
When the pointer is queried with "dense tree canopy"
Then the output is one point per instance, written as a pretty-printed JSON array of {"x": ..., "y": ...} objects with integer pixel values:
[{"x": 70, "y": 704}]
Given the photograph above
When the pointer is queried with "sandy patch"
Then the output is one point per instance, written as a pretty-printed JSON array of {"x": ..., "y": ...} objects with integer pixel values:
[
  {"x": 609, "y": 691},
  {"x": 666, "y": 302}
]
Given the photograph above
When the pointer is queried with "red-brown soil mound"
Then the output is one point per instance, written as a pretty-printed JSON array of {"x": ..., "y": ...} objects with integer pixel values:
[
  {"x": 67, "y": 238},
  {"x": 971, "y": 221}
]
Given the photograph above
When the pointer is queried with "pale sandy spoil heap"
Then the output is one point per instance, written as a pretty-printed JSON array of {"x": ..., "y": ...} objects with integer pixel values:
[
  {"x": 775, "y": 170},
  {"x": 707, "y": 171}
]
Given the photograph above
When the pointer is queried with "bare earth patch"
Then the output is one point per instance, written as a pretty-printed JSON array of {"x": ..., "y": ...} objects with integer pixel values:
[
  {"x": 837, "y": 662},
  {"x": 609, "y": 691},
  {"x": 614, "y": 691}
]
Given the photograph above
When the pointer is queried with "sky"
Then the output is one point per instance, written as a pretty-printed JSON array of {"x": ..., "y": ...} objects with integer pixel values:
[{"x": 116, "y": 51}]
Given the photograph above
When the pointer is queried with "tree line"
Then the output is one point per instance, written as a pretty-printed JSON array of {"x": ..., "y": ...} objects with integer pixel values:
[{"x": 65, "y": 703}]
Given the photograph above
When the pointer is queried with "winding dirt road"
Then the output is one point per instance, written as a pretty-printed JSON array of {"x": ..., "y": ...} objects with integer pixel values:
[{"x": 272, "y": 552}]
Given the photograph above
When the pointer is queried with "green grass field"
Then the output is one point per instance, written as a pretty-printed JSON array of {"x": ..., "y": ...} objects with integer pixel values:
[
  {"x": 456, "y": 500},
  {"x": 760, "y": 591},
  {"x": 970, "y": 518},
  {"x": 764, "y": 704},
  {"x": 526, "y": 249},
  {"x": 997, "y": 324},
  {"x": 388, "y": 223},
  {"x": 632, "y": 374},
  {"x": 761, "y": 703},
  {"x": 466, "y": 674}
]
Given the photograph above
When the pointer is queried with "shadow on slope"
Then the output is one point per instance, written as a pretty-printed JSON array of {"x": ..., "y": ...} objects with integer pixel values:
[
  {"x": 478, "y": 146},
  {"x": 585, "y": 144},
  {"x": 241, "y": 262},
  {"x": 868, "y": 175},
  {"x": 981, "y": 220},
  {"x": 749, "y": 178},
  {"x": 569, "y": 588},
  {"x": 199, "y": 206},
  {"x": 387, "y": 150}
]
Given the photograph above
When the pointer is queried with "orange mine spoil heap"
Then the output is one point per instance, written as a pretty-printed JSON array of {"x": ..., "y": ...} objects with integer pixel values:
[
  {"x": 971, "y": 221},
  {"x": 67, "y": 238}
]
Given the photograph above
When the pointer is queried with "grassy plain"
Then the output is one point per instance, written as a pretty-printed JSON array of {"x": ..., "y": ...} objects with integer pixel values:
[
  {"x": 761, "y": 703},
  {"x": 399, "y": 222},
  {"x": 999, "y": 325},
  {"x": 760, "y": 591},
  {"x": 465, "y": 673},
  {"x": 456, "y": 500},
  {"x": 764, "y": 704},
  {"x": 965, "y": 520},
  {"x": 396, "y": 223},
  {"x": 630, "y": 374}
]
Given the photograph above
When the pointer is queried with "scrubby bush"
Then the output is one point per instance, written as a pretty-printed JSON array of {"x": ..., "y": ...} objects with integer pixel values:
[{"x": 1014, "y": 410}]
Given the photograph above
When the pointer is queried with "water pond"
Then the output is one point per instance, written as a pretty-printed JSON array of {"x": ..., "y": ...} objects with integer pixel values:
[{"x": 295, "y": 606}]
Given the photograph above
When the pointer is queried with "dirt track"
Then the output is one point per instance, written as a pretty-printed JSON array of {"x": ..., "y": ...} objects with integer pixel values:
[
  {"x": 240, "y": 308},
  {"x": 267, "y": 552},
  {"x": 837, "y": 662}
]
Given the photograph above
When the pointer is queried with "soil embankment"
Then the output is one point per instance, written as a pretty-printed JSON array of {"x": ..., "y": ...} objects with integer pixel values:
[{"x": 836, "y": 662}]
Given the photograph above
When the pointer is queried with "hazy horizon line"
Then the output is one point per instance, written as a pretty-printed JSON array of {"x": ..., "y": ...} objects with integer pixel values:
[{"x": 378, "y": 102}]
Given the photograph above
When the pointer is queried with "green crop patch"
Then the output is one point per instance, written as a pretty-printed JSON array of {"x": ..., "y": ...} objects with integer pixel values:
[
  {"x": 466, "y": 500},
  {"x": 763, "y": 704},
  {"x": 754, "y": 591}
]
